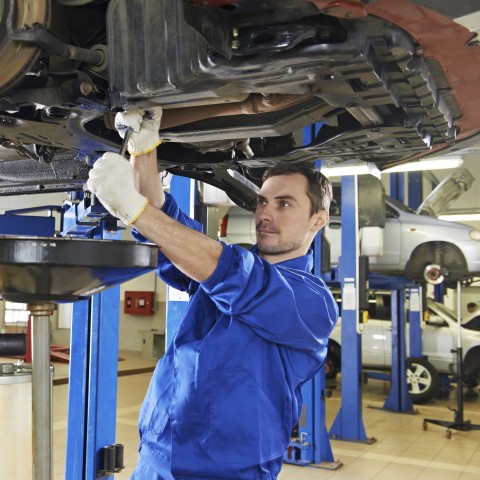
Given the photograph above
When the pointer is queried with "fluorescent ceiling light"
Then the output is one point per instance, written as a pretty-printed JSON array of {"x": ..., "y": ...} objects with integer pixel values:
[
  {"x": 437, "y": 163},
  {"x": 460, "y": 217},
  {"x": 354, "y": 169}
]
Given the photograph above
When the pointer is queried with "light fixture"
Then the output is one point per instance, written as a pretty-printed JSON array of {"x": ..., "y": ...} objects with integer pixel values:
[
  {"x": 434, "y": 163},
  {"x": 460, "y": 217},
  {"x": 344, "y": 169}
]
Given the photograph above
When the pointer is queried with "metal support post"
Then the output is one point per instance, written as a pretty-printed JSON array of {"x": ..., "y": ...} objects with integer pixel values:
[
  {"x": 348, "y": 424},
  {"x": 397, "y": 186},
  {"x": 415, "y": 189},
  {"x": 92, "y": 396},
  {"x": 398, "y": 399},
  {"x": 41, "y": 392},
  {"x": 313, "y": 444},
  {"x": 415, "y": 313}
]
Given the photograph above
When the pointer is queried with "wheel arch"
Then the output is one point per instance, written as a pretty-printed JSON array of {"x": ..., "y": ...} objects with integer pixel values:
[{"x": 445, "y": 254}]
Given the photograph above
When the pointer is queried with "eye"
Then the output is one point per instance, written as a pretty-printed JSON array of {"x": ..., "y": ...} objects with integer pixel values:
[
  {"x": 284, "y": 203},
  {"x": 261, "y": 201}
]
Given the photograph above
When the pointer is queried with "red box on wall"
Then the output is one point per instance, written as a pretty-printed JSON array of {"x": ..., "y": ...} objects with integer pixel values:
[{"x": 139, "y": 303}]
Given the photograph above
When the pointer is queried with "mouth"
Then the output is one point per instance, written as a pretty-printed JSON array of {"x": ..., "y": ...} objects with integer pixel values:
[{"x": 265, "y": 231}]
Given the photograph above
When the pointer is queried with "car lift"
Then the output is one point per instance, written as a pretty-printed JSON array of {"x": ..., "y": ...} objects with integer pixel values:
[
  {"x": 348, "y": 424},
  {"x": 63, "y": 269}
]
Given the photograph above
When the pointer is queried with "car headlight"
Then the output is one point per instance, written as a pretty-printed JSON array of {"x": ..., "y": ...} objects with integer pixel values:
[{"x": 475, "y": 235}]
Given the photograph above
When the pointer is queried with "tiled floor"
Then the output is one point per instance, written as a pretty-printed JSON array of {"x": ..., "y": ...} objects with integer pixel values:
[{"x": 402, "y": 450}]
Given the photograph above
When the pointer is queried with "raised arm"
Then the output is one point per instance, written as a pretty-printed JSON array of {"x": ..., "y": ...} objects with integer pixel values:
[{"x": 133, "y": 193}]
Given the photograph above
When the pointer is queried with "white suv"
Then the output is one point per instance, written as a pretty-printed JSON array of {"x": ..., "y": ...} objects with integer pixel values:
[{"x": 439, "y": 338}]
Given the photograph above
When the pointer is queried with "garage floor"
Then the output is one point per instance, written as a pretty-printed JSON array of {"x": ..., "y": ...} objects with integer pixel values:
[{"x": 403, "y": 450}]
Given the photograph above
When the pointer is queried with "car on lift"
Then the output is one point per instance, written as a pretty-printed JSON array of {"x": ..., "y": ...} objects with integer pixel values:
[
  {"x": 415, "y": 242},
  {"x": 439, "y": 341},
  {"x": 389, "y": 80}
]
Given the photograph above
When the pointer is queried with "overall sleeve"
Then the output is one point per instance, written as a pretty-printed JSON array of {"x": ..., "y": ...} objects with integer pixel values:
[
  {"x": 283, "y": 305},
  {"x": 165, "y": 269}
]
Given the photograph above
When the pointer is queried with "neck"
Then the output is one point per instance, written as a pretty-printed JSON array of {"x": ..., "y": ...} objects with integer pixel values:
[{"x": 282, "y": 257}]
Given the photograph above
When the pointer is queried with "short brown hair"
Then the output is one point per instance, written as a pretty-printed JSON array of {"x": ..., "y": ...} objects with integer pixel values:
[{"x": 319, "y": 189}]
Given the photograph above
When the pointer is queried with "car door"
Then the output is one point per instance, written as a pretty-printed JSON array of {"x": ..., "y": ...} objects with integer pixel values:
[{"x": 392, "y": 242}]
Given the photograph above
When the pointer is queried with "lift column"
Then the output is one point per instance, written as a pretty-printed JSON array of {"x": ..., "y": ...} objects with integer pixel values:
[
  {"x": 92, "y": 393},
  {"x": 348, "y": 424}
]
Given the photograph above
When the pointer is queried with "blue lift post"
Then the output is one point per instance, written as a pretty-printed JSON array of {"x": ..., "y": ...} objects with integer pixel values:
[
  {"x": 313, "y": 445},
  {"x": 415, "y": 319},
  {"x": 398, "y": 399},
  {"x": 92, "y": 395},
  {"x": 348, "y": 424}
]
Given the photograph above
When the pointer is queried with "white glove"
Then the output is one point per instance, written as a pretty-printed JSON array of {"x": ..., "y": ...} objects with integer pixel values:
[
  {"x": 112, "y": 180},
  {"x": 145, "y": 124}
]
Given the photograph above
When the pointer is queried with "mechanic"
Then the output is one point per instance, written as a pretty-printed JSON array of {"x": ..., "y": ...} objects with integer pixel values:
[{"x": 223, "y": 400}]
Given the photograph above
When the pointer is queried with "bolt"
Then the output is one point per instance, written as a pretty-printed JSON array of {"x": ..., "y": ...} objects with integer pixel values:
[{"x": 86, "y": 88}]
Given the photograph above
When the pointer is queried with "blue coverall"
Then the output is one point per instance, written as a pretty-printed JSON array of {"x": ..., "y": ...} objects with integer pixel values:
[{"x": 223, "y": 400}]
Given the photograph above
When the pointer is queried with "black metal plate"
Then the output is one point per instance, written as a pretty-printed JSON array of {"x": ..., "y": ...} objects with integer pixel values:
[{"x": 37, "y": 269}]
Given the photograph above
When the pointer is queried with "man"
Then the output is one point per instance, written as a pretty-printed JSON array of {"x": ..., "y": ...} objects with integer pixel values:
[{"x": 223, "y": 400}]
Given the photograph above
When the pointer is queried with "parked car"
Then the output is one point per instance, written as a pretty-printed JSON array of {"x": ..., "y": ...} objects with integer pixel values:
[
  {"x": 391, "y": 80},
  {"x": 439, "y": 339},
  {"x": 412, "y": 242}
]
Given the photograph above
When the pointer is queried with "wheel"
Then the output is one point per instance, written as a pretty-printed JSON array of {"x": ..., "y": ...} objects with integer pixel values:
[
  {"x": 448, "y": 433},
  {"x": 425, "y": 425},
  {"x": 422, "y": 380},
  {"x": 435, "y": 262}
]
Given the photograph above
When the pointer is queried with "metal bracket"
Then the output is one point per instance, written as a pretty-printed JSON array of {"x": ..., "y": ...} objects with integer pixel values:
[{"x": 111, "y": 460}]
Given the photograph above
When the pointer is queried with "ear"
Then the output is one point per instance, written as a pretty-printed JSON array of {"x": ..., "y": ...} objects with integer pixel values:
[{"x": 321, "y": 219}]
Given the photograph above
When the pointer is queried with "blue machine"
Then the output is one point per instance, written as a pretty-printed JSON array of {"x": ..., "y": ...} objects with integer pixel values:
[{"x": 348, "y": 424}]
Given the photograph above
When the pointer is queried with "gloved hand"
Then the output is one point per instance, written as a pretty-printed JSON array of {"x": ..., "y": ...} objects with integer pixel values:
[
  {"x": 145, "y": 124},
  {"x": 112, "y": 180}
]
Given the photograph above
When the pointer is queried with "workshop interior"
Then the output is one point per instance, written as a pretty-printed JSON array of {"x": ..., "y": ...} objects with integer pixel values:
[{"x": 380, "y": 95}]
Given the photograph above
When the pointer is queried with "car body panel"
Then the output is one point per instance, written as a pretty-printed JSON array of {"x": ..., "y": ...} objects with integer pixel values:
[{"x": 439, "y": 338}]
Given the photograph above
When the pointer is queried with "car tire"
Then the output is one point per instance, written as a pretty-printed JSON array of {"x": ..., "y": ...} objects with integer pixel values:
[{"x": 422, "y": 380}]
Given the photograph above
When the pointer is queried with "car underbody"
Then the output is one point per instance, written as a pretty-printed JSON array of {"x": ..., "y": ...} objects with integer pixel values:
[{"x": 389, "y": 81}]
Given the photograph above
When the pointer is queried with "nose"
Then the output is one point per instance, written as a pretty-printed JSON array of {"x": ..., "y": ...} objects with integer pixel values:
[{"x": 263, "y": 213}]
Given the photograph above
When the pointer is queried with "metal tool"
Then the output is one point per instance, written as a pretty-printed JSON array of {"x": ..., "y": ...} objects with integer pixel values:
[{"x": 126, "y": 138}]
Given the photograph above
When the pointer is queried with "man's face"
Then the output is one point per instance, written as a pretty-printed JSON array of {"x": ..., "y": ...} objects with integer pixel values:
[{"x": 284, "y": 226}]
